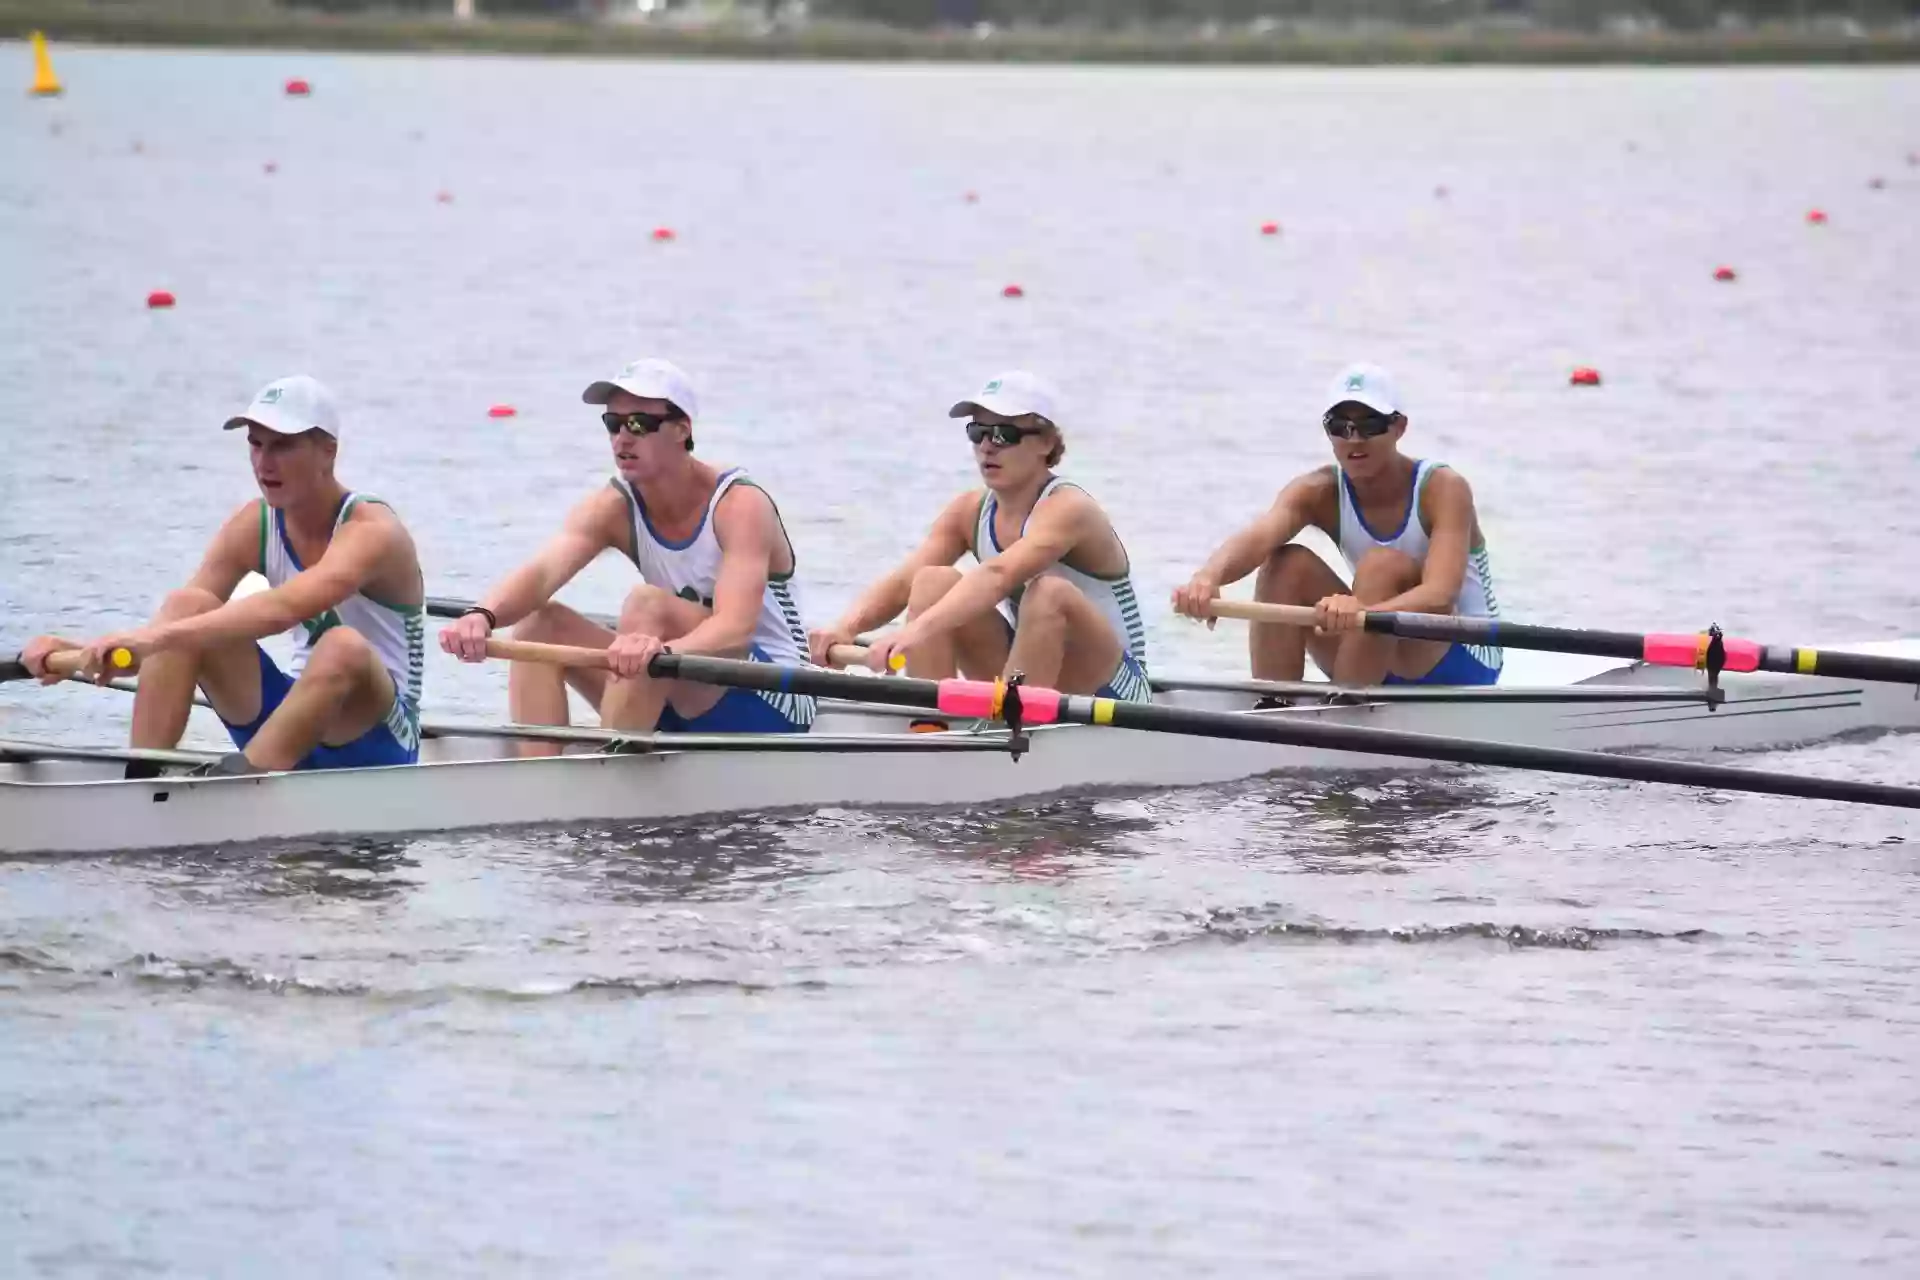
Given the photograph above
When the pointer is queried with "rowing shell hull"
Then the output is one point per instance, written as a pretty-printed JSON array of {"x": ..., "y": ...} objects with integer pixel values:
[{"x": 463, "y": 783}]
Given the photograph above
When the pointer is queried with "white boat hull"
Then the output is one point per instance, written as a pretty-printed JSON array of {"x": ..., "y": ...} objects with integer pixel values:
[{"x": 472, "y": 783}]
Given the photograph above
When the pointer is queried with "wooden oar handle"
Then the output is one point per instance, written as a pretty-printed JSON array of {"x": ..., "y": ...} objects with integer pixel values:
[
  {"x": 67, "y": 662},
  {"x": 846, "y": 655},
  {"x": 570, "y": 655},
  {"x": 1293, "y": 615},
  {"x": 553, "y": 655}
]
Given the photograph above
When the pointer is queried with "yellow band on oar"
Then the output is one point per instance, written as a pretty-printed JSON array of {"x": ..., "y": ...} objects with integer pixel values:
[
  {"x": 1103, "y": 710},
  {"x": 1700, "y": 654},
  {"x": 1804, "y": 660},
  {"x": 897, "y": 662}
]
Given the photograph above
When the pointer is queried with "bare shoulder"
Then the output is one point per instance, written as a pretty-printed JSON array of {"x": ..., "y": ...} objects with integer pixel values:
[
  {"x": 1313, "y": 496},
  {"x": 241, "y": 537},
  {"x": 1449, "y": 487},
  {"x": 602, "y": 513},
  {"x": 744, "y": 507}
]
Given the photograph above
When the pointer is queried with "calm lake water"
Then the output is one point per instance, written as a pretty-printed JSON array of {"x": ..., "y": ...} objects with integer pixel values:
[{"x": 1474, "y": 1023}]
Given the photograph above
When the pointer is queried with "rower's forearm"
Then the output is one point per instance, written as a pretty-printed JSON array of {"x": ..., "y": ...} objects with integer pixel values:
[
  {"x": 250, "y": 618},
  {"x": 1237, "y": 557},
  {"x": 518, "y": 594},
  {"x": 1424, "y": 598},
  {"x": 714, "y": 639},
  {"x": 879, "y": 604},
  {"x": 974, "y": 594}
]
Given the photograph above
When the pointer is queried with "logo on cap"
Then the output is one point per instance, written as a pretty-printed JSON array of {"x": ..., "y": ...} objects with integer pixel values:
[
  {"x": 270, "y": 396},
  {"x": 1355, "y": 381},
  {"x": 993, "y": 386}
]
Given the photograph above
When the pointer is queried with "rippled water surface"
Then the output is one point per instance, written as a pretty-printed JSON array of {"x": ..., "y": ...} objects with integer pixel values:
[{"x": 1468, "y": 1022}]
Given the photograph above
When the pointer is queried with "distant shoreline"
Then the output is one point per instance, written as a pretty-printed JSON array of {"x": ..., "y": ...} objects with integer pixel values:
[{"x": 77, "y": 22}]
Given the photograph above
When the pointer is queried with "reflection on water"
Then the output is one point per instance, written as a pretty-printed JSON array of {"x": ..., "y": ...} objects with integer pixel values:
[{"x": 1052, "y": 839}]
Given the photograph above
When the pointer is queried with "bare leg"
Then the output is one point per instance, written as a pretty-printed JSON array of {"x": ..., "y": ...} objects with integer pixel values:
[
  {"x": 537, "y": 691},
  {"x": 1064, "y": 642},
  {"x": 635, "y": 705},
  {"x": 1292, "y": 575},
  {"x": 342, "y": 692},
  {"x": 977, "y": 648},
  {"x": 230, "y": 676},
  {"x": 1364, "y": 657}
]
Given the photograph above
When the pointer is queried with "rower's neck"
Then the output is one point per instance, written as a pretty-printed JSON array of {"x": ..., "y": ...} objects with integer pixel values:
[
  {"x": 313, "y": 519},
  {"x": 678, "y": 496},
  {"x": 1019, "y": 500},
  {"x": 1391, "y": 485}
]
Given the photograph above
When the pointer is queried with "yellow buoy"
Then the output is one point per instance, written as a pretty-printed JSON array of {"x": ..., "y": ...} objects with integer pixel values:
[{"x": 45, "y": 83}]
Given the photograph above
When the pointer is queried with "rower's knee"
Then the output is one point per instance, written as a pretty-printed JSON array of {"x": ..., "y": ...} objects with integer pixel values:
[
  {"x": 1291, "y": 575},
  {"x": 1384, "y": 572},
  {"x": 1048, "y": 597},
  {"x": 186, "y": 602},
  {"x": 647, "y": 609},
  {"x": 930, "y": 582},
  {"x": 340, "y": 656}
]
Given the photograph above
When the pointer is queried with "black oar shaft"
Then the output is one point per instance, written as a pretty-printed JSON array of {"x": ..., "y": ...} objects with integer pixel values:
[
  {"x": 1301, "y": 732},
  {"x": 1507, "y": 635},
  {"x": 1665, "y": 650},
  {"x": 1285, "y": 731}
]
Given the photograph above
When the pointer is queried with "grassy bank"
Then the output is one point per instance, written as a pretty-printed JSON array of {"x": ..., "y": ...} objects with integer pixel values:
[{"x": 245, "y": 25}]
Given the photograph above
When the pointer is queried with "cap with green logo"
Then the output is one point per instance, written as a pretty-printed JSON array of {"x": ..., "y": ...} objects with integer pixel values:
[
  {"x": 1366, "y": 384},
  {"x": 289, "y": 406},
  {"x": 1011, "y": 394}
]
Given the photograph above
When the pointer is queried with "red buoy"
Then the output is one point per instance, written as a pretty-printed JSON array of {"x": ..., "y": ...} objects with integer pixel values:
[
  {"x": 1876, "y": 184},
  {"x": 663, "y": 233},
  {"x": 270, "y": 167},
  {"x": 159, "y": 298},
  {"x": 1816, "y": 218},
  {"x": 1269, "y": 228},
  {"x": 1723, "y": 273},
  {"x": 444, "y": 197},
  {"x": 1584, "y": 377},
  {"x": 1440, "y": 192},
  {"x": 1013, "y": 291},
  {"x": 298, "y": 88},
  {"x": 973, "y": 197},
  {"x": 502, "y": 411}
]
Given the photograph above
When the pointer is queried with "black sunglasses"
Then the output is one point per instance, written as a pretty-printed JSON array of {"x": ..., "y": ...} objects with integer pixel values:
[
  {"x": 1374, "y": 424},
  {"x": 639, "y": 424},
  {"x": 1004, "y": 434}
]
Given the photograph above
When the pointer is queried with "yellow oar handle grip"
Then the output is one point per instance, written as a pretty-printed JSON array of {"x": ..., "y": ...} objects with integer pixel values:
[
  {"x": 121, "y": 658},
  {"x": 897, "y": 662}
]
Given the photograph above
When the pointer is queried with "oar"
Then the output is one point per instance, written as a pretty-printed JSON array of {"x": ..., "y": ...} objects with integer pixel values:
[
  {"x": 1665, "y": 650},
  {"x": 61, "y": 662},
  {"x": 839, "y": 655},
  {"x": 1024, "y": 705},
  {"x": 567, "y": 655}
]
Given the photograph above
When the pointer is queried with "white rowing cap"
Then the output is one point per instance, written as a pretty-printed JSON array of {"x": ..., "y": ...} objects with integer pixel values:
[
  {"x": 1011, "y": 394},
  {"x": 291, "y": 405},
  {"x": 1367, "y": 384},
  {"x": 650, "y": 378}
]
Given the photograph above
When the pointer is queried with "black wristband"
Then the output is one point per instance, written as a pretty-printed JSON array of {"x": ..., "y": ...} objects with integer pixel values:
[{"x": 493, "y": 623}]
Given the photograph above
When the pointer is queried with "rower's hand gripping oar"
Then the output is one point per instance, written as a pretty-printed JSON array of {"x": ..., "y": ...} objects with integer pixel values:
[
  {"x": 1708, "y": 651},
  {"x": 63, "y": 663},
  {"x": 1011, "y": 703}
]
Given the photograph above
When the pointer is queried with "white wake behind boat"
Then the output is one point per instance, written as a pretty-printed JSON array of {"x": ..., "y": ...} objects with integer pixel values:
[{"x": 57, "y": 800}]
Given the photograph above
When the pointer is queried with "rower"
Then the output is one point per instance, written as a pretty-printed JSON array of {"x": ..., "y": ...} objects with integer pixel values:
[
  {"x": 716, "y": 569},
  {"x": 1410, "y": 536},
  {"x": 342, "y": 575},
  {"x": 1050, "y": 595}
]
